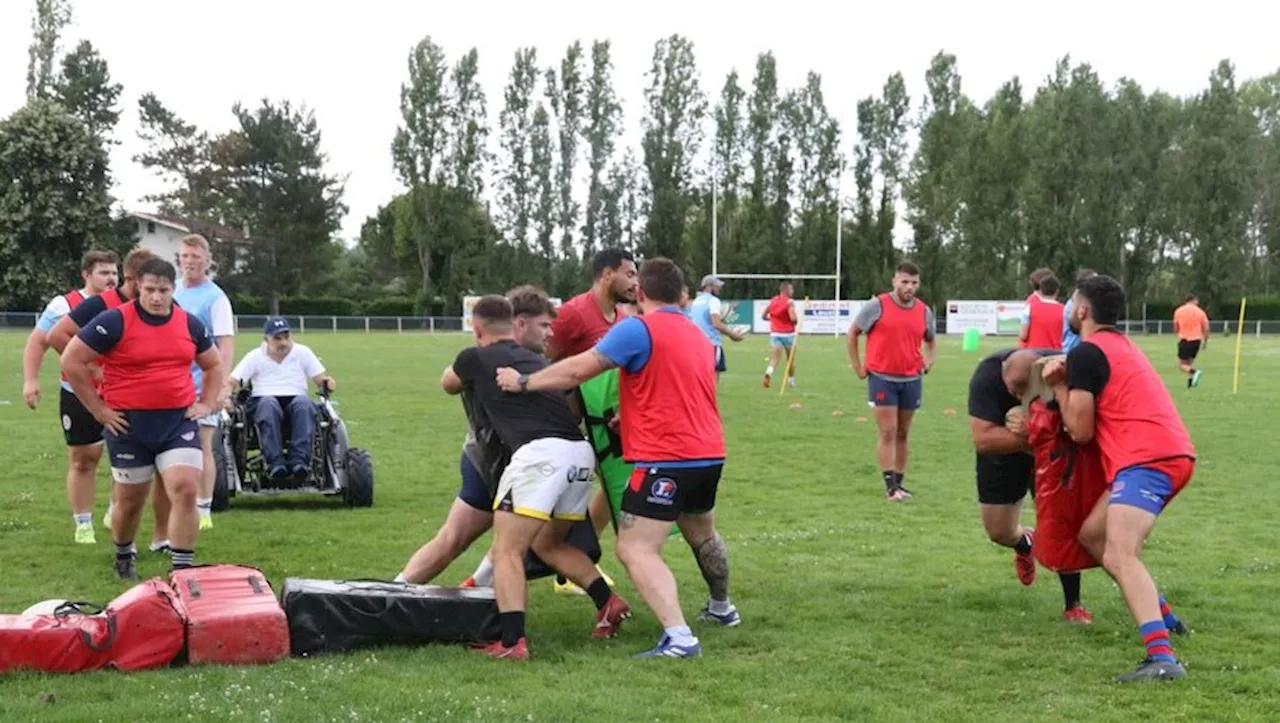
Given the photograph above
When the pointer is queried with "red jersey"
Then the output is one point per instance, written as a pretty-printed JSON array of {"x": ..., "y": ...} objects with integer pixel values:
[
  {"x": 1136, "y": 421},
  {"x": 147, "y": 365},
  {"x": 893, "y": 344},
  {"x": 668, "y": 407},
  {"x": 1045, "y": 328},
  {"x": 780, "y": 321},
  {"x": 74, "y": 298},
  {"x": 579, "y": 324}
]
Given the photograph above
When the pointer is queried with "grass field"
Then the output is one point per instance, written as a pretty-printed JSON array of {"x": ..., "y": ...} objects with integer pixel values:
[{"x": 854, "y": 608}]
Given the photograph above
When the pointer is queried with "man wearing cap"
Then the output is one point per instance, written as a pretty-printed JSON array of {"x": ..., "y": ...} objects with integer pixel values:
[
  {"x": 279, "y": 370},
  {"x": 706, "y": 312}
]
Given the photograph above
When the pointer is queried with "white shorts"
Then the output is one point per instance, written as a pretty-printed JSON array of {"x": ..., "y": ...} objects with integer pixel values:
[
  {"x": 213, "y": 420},
  {"x": 548, "y": 478},
  {"x": 184, "y": 456}
]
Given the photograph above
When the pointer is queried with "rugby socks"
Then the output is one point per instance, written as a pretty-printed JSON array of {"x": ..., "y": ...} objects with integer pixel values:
[
  {"x": 182, "y": 558},
  {"x": 599, "y": 592},
  {"x": 204, "y": 506},
  {"x": 512, "y": 627},
  {"x": 400, "y": 578},
  {"x": 1171, "y": 621},
  {"x": 1156, "y": 637},
  {"x": 719, "y": 607},
  {"x": 680, "y": 635},
  {"x": 83, "y": 518},
  {"x": 898, "y": 478},
  {"x": 768, "y": 372},
  {"x": 1023, "y": 547},
  {"x": 484, "y": 573},
  {"x": 890, "y": 479},
  {"x": 1070, "y": 588},
  {"x": 125, "y": 550}
]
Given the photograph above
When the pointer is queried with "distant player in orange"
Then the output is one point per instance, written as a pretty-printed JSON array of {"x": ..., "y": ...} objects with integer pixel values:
[
  {"x": 1191, "y": 325},
  {"x": 781, "y": 315}
]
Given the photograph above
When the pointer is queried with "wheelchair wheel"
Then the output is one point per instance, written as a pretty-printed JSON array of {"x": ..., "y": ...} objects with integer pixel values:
[
  {"x": 221, "y": 485},
  {"x": 359, "y": 468}
]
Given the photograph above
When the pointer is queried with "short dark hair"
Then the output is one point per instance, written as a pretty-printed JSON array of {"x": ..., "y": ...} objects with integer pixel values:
[
  {"x": 158, "y": 268},
  {"x": 908, "y": 268},
  {"x": 1105, "y": 296},
  {"x": 1085, "y": 273},
  {"x": 1038, "y": 275},
  {"x": 610, "y": 258},
  {"x": 529, "y": 300},
  {"x": 661, "y": 280},
  {"x": 1190, "y": 298},
  {"x": 492, "y": 310},
  {"x": 783, "y": 285},
  {"x": 91, "y": 259},
  {"x": 1049, "y": 285}
]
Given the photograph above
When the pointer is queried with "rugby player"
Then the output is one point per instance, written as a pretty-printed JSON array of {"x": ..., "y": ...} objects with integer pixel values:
[
  {"x": 204, "y": 299},
  {"x": 545, "y": 486},
  {"x": 895, "y": 324},
  {"x": 708, "y": 313},
  {"x": 781, "y": 315},
  {"x": 148, "y": 405},
  {"x": 671, "y": 432},
  {"x": 82, "y": 433},
  {"x": 471, "y": 514},
  {"x": 1069, "y": 338},
  {"x": 579, "y": 323},
  {"x": 1108, "y": 390},
  {"x": 1042, "y": 317},
  {"x": 1005, "y": 469},
  {"x": 1191, "y": 325}
]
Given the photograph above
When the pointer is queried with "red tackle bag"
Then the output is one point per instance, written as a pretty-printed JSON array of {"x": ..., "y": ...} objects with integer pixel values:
[
  {"x": 141, "y": 629},
  {"x": 1069, "y": 481},
  {"x": 233, "y": 617}
]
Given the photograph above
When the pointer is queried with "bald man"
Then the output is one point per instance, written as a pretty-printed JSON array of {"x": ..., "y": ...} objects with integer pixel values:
[{"x": 1005, "y": 468}]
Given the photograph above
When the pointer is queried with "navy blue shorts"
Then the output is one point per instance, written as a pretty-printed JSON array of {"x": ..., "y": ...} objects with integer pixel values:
[
  {"x": 155, "y": 440},
  {"x": 474, "y": 491},
  {"x": 904, "y": 395}
]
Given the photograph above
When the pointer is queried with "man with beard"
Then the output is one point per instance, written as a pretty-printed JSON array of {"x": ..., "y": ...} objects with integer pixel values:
[
  {"x": 581, "y": 322},
  {"x": 1108, "y": 390},
  {"x": 82, "y": 433},
  {"x": 895, "y": 325}
]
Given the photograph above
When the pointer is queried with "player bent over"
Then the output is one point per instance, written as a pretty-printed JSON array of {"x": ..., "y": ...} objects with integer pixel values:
[
  {"x": 545, "y": 487},
  {"x": 671, "y": 432},
  {"x": 1108, "y": 390},
  {"x": 1005, "y": 470},
  {"x": 148, "y": 405}
]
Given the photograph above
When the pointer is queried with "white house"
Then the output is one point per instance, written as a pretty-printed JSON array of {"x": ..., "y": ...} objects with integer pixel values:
[{"x": 162, "y": 234}]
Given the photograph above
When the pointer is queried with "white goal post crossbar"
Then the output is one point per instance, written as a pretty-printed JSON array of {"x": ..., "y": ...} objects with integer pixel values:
[{"x": 715, "y": 252}]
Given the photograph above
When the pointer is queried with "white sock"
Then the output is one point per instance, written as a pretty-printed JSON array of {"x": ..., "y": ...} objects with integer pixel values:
[
  {"x": 484, "y": 574},
  {"x": 769, "y": 372},
  {"x": 83, "y": 518},
  {"x": 400, "y": 578},
  {"x": 791, "y": 381},
  {"x": 204, "y": 505},
  {"x": 159, "y": 545},
  {"x": 719, "y": 607},
  {"x": 681, "y": 635}
]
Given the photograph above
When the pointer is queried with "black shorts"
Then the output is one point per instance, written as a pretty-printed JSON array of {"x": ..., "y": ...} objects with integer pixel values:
[
  {"x": 1005, "y": 482},
  {"x": 1187, "y": 350},
  {"x": 720, "y": 365},
  {"x": 79, "y": 427},
  {"x": 664, "y": 493},
  {"x": 474, "y": 492}
]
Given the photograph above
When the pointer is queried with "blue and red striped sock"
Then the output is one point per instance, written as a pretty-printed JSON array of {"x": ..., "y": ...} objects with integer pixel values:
[
  {"x": 1166, "y": 612},
  {"x": 1156, "y": 637}
]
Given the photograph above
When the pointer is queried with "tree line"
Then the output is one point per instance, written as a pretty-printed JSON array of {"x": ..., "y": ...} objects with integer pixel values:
[{"x": 1169, "y": 194}]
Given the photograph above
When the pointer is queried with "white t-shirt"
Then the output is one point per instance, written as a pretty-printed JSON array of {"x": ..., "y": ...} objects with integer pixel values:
[
  {"x": 289, "y": 378},
  {"x": 223, "y": 321}
]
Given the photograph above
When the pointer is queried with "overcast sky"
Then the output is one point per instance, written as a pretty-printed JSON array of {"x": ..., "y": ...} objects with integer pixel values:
[{"x": 346, "y": 60}]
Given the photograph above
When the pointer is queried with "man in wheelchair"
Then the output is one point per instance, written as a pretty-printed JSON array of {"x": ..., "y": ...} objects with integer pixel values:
[{"x": 278, "y": 371}]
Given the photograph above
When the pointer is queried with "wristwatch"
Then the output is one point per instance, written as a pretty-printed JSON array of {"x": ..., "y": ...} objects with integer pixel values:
[{"x": 523, "y": 381}]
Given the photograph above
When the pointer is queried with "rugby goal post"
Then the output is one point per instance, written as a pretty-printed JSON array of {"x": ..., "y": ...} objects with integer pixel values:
[{"x": 715, "y": 257}]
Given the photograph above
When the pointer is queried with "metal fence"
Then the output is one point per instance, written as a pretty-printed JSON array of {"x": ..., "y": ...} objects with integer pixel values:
[{"x": 250, "y": 323}]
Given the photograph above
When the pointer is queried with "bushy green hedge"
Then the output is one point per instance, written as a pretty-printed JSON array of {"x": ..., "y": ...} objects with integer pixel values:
[
  {"x": 325, "y": 306},
  {"x": 1258, "y": 308}
]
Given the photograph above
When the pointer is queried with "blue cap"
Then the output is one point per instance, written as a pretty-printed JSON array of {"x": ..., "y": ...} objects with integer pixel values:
[{"x": 275, "y": 325}]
